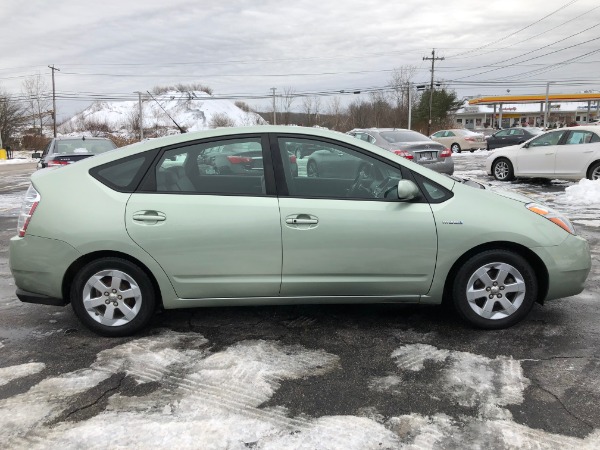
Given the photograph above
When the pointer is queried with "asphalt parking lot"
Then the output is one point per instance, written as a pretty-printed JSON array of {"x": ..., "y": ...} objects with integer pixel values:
[{"x": 333, "y": 376}]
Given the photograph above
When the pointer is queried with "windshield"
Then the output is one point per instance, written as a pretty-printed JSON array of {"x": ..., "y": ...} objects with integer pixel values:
[
  {"x": 93, "y": 146},
  {"x": 403, "y": 136},
  {"x": 535, "y": 130}
]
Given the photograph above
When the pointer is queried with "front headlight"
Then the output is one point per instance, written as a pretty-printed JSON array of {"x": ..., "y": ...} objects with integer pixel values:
[{"x": 552, "y": 216}]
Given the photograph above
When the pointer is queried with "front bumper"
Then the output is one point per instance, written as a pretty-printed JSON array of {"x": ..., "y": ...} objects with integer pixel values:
[{"x": 568, "y": 266}]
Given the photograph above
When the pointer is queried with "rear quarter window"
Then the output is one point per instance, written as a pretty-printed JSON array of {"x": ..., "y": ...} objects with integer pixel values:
[{"x": 125, "y": 174}]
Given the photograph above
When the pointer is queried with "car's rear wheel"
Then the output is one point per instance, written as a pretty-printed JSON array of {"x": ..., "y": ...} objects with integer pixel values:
[
  {"x": 312, "y": 170},
  {"x": 503, "y": 170},
  {"x": 455, "y": 148},
  {"x": 113, "y": 297},
  {"x": 495, "y": 289},
  {"x": 594, "y": 171}
]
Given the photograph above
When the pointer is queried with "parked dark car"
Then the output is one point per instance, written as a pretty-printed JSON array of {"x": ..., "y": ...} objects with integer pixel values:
[
  {"x": 61, "y": 151},
  {"x": 511, "y": 136},
  {"x": 410, "y": 145}
]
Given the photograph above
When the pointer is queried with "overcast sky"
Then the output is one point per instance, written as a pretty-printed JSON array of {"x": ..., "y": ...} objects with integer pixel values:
[{"x": 109, "y": 49}]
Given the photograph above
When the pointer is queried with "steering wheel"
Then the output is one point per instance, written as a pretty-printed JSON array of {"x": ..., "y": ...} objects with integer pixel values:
[
  {"x": 359, "y": 188},
  {"x": 383, "y": 188}
]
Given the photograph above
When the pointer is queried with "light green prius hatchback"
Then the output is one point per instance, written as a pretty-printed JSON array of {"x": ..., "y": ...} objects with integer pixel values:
[{"x": 230, "y": 217}]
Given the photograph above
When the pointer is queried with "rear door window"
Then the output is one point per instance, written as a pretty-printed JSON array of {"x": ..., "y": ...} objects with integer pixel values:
[{"x": 232, "y": 166}]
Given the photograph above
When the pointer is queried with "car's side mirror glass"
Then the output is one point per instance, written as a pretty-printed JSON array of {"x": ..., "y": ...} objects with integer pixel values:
[
  {"x": 36, "y": 155},
  {"x": 407, "y": 190}
]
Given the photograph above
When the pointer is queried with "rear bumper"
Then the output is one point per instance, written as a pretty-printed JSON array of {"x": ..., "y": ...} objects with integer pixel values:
[
  {"x": 38, "y": 265},
  {"x": 445, "y": 166},
  {"x": 40, "y": 299}
]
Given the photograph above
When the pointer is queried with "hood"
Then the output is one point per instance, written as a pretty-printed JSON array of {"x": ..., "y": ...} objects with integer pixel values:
[{"x": 512, "y": 195}]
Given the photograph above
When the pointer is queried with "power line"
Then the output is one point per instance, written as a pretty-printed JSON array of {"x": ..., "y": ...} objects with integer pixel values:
[
  {"x": 518, "y": 31},
  {"x": 536, "y": 57},
  {"x": 521, "y": 42}
]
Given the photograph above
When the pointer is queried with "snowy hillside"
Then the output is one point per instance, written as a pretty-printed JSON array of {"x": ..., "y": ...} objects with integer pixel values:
[{"x": 194, "y": 111}]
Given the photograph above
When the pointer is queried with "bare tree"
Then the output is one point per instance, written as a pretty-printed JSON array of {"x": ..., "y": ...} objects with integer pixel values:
[
  {"x": 336, "y": 114},
  {"x": 39, "y": 101},
  {"x": 307, "y": 108},
  {"x": 221, "y": 120},
  {"x": 317, "y": 110},
  {"x": 12, "y": 116},
  {"x": 286, "y": 100},
  {"x": 401, "y": 77}
]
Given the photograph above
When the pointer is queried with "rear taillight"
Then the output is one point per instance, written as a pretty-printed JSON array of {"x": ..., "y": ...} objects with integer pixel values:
[
  {"x": 239, "y": 159},
  {"x": 32, "y": 199},
  {"x": 403, "y": 153},
  {"x": 53, "y": 163},
  {"x": 446, "y": 153},
  {"x": 293, "y": 159},
  {"x": 470, "y": 139}
]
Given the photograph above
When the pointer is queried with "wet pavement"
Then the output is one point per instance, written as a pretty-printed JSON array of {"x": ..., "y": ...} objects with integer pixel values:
[{"x": 333, "y": 376}]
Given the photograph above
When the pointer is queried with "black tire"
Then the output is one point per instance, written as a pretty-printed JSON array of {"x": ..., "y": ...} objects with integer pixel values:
[
  {"x": 502, "y": 169},
  {"x": 471, "y": 150},
  {"x": 312, "y": 170},
  {"x": 455, "y": 148},
  {"x": 515, "y": 284},
  {"x": 594, "y": 171},
  {"x": 125, "y": 278}
]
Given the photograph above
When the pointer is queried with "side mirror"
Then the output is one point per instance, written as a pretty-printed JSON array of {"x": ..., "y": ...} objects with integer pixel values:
[
  {"x": 407, "y": 190},
  {"x": 525, "y": 145},
  {"x": 36, "y": 155}
]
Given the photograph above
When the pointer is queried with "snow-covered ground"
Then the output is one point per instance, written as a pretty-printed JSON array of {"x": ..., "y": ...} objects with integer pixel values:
[{"x": 212, "y": 399}]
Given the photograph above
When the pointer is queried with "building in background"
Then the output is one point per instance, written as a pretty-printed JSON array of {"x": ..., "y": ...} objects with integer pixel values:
[{"x": 515, "y": 110}]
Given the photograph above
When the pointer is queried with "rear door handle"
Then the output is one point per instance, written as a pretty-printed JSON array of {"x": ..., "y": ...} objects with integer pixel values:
[
  {"x": 149, "y": 216},
  {"x": 293, "y": 221}
]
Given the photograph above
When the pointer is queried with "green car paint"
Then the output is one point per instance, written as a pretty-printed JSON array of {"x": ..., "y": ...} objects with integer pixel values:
[{"x": 211, "y": 249}]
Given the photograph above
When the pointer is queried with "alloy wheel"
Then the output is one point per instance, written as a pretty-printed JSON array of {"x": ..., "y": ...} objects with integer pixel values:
[
  {"x": 496, "y": 290},
  {"x": 501, "y": 170},
  {"x": 112, "y": 298}
]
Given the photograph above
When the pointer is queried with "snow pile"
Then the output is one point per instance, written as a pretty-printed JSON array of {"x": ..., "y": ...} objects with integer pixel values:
[
  {"x": 586, "y": 192},
  {"x": 193, "y": 110}
]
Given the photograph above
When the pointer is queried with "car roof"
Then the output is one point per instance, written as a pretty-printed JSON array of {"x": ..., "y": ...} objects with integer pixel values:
[{"x": 82, "y": 138}]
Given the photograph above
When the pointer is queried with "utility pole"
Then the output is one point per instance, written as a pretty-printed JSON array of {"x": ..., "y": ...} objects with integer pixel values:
[
  {"x": 53, "y": 97},
  {"x": 547, "y": 105},
  {"x": 274, "y": 115},
  {"x": 141, "y": 115},
  {"x": 433, "y": 60},
  {"x": 409, "y": 106}
]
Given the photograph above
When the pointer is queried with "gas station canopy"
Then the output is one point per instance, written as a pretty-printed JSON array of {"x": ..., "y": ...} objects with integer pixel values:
[{"x": 541, "y": 98}]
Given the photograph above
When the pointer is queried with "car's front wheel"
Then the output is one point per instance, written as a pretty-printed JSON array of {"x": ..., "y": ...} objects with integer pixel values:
[
  {"x": 312, "y": 170},
  {"x": 503, "y": 170},
  {"x": 594, "y": 171},
  {"x": 113, "y": 297},
  {"x": 495, "y": 289},
  {"x": 455, "y": 148}
]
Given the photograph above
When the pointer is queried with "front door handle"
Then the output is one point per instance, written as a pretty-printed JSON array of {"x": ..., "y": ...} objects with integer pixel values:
[
  {"x": 302, "y": 221},
  {"x": 149, "y": 216}
]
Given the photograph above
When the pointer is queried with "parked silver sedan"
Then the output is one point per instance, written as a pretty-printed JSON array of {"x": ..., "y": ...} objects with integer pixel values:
[{"x": 410, "y": 145}]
